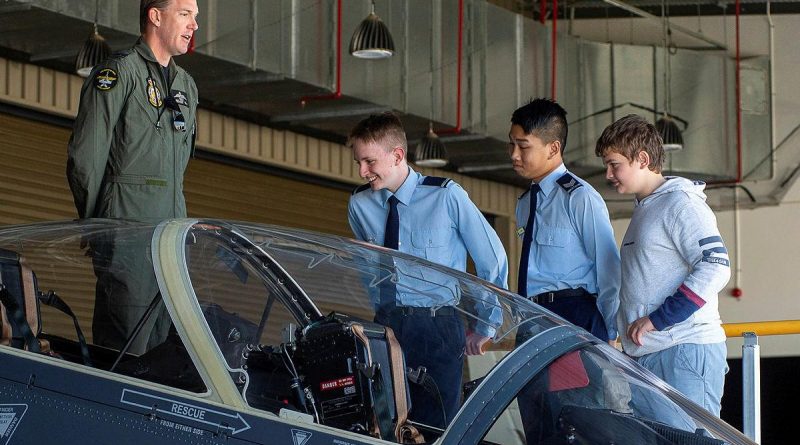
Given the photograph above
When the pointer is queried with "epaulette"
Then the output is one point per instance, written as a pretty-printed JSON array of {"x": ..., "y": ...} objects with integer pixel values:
[
  {"x": 568, "y": 182},
  {"x": 435, "y": 181},
  {"x": 361, "y": 188}
]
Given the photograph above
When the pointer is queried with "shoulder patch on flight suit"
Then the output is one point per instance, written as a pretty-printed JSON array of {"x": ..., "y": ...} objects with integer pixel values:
[
  {"x": 436, "y": 181},
  {"x": 361, "y": 188},
  {"x": 105, "y": 79},
  {"x": 568, "y": 182}
]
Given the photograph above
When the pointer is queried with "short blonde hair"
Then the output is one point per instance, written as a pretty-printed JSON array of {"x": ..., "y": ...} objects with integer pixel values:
[{"x": 384, "y": 128}]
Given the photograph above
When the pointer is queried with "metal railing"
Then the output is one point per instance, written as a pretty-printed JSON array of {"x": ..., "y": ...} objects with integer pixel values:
[{"x": 751, "y": 367}]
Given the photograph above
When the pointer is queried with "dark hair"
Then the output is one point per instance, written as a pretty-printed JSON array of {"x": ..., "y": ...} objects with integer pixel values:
[
  {"x": 144, "y": 8},
  {"x": 630, "y": 136},
  {"x": 543, "y": 118},
  {"x": 384, "y": 127}
]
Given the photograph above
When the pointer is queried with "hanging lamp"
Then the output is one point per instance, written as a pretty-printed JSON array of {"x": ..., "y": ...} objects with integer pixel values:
[
  {"x": 430, "y": 151},
  {"x": 671, "y": 137},
  {"x": 94, "y": 51},
  {"x": 372, "y": 39},
  {"x": 670, "y": 133}
]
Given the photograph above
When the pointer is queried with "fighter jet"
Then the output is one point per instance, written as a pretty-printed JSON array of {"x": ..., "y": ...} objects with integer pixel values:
[{"x": 219, "y": 332}]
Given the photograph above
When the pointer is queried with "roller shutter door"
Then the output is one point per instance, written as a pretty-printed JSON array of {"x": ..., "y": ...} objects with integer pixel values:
[{"x": 33, "y": 186}]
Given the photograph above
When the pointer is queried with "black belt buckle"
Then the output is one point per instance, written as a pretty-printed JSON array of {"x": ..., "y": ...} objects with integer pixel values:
[
  {"x": 544, "y": 297},
  {"x": 551, "y": 296}
]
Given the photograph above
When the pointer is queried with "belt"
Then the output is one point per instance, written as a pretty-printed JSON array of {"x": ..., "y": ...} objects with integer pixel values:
[
  {"x": 549, "y": 297},
  {"x": 424, "y": 311},
  {"x": 137, "y": 180}
]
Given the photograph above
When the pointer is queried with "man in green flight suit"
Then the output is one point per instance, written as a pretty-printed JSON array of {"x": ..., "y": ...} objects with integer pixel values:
[{"x": 132, "y": 139}]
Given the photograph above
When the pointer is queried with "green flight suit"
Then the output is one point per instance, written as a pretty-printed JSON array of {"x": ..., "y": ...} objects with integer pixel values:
[{"x": 126, "y": 159}]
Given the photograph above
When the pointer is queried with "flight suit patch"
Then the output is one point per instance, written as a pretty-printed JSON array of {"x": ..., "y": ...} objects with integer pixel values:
[
  {"x": 105, "y": 79},
  {"x": 154, "y": 94},
  {"x": 180, "y": 97}
]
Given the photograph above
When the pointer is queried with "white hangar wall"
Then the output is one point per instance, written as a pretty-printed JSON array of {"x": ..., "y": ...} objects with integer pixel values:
[{"x": 768, "y": 255}]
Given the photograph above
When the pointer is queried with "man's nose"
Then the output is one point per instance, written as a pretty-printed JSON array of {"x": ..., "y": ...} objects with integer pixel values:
[
  {"x": 513, "y": 152},
  {"x": 609, "y": 173}
]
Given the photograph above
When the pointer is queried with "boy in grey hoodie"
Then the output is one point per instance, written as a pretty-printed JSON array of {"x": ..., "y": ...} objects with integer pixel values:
[{"x": 674, "y": 264}]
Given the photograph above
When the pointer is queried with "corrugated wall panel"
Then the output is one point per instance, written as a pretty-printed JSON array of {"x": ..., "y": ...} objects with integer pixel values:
[{"x": 33, "y": 187}]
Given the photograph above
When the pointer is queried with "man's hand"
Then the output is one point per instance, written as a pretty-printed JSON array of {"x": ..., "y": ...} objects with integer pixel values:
[
  {"x": 475, "y": 343},
  {"x": 638, "y": 328}
]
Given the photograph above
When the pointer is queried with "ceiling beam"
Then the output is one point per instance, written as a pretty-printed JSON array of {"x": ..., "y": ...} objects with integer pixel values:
[{"x": 339, "y": 111}]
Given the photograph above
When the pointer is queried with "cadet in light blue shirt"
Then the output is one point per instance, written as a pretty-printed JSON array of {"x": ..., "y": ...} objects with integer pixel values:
[
  {"x": 569, "y": 262},
  {"x": 431, "y": 218},
  {"x": 572, "y": 265}
]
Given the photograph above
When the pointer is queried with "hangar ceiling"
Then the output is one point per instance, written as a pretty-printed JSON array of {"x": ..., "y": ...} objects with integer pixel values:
[{"x": 232, "y": 79}]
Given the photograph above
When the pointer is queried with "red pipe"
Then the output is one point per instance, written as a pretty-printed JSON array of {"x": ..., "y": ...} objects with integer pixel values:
[
  {"x": 553, "y": 67},
  {"x": 542, "y": 11},
  {"x": 738, "y": 179},
  {"x": 738, "y": 99},
  {"x": 457, "y": 128},
  {"x": 338, "y": 93}
]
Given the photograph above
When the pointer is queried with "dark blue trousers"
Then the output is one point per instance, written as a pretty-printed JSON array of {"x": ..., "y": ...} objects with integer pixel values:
[
  {"x": 437, "y": 343},
  {"x": 582, "y": 311}
]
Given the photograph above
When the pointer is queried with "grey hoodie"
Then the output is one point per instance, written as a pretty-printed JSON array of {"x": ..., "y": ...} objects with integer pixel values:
[{"x": 674, "y": 263}]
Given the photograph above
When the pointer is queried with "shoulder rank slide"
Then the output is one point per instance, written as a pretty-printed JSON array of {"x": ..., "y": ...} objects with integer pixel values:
[
  {"x": 568, "y": 182},
  {"x": 436, "y": 181},
  {"x": 361, "y": 188}
]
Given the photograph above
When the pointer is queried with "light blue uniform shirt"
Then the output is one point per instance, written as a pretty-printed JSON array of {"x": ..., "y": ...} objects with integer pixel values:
[
  {"x": 440, "y": 224},
  {"x": 573, "y": 243}
]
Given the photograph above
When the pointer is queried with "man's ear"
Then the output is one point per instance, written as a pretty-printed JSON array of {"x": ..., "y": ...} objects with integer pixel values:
[
  {"x": 399, "y": 154},
  {"x": 643, "y": 159},
  {"x": 155, "y": 16},
  {"x": 554, "y": 149}
]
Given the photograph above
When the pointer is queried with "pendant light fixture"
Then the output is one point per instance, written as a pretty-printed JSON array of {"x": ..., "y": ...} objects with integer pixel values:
[
  {"x": 671, "y": 136},
  {"x": 372, "y": 39},
  {"x": 670, "y": 133},
  {"x": 94, "y": 51},
  {"x": 430, "y": 151}
]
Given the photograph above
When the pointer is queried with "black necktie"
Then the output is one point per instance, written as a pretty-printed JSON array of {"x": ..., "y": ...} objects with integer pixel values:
[
  {"x": 391, "y": 237},
  {"x": 522, "y": 276}
]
